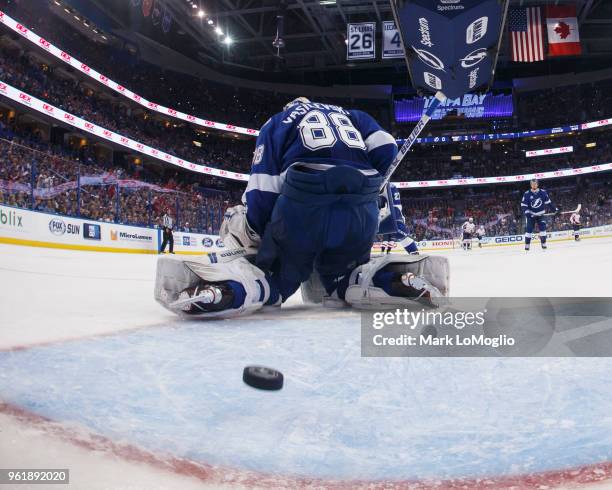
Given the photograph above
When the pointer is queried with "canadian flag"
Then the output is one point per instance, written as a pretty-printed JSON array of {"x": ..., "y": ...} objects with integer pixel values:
[{"x": 562, "y": 26}]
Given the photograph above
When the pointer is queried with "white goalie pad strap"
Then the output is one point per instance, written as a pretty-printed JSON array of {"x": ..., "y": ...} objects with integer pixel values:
[
  {"x": 436, "y": 270},
  {"x": 362, "y": 293},
  {"x": 312, "y": 290},
  {"x": 236, "y": 232},
  {"x": 176, "y": 274}
]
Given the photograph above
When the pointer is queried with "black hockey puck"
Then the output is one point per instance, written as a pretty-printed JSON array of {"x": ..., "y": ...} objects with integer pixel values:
[{"x": 262, "y": 378}]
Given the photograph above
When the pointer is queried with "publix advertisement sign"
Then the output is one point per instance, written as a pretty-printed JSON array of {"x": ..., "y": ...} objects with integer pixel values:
[{"x": 25, "y": 227}]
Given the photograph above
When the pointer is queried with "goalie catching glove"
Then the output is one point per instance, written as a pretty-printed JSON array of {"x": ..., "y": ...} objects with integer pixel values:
[{"x": 237, "y": 233}]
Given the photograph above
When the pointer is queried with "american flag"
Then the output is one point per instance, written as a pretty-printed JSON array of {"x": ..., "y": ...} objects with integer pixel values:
[{"x": 525, "y": 25}]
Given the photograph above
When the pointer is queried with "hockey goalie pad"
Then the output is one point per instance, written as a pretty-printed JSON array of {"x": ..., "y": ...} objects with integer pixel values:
[
  {"x": 362, "y": 293},
  {"x": 175, "y": 274},
  {"x": 236, "y": 232}
]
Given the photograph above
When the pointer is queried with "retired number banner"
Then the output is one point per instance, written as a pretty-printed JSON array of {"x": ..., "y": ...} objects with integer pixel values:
[
  {"x": 392, "y": 41},
  {"x": 361, "y": 41}
]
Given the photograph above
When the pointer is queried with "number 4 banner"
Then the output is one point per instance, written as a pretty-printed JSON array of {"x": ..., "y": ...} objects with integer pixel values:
[
  {"x": 361, "y": 41},
  {"x": 392, "y": 42}
]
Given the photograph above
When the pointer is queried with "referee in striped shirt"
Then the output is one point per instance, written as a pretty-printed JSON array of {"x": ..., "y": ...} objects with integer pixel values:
[{"x": 167, "y": 224}]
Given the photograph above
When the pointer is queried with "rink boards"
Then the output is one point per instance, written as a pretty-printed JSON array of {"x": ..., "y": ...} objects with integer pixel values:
[{"x": 33, "y": 228}]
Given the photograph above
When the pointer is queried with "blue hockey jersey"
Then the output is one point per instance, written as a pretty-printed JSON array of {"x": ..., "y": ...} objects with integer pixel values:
[
  {"x": 320, "y": 134},
  {"x": 536, "y": 203}
]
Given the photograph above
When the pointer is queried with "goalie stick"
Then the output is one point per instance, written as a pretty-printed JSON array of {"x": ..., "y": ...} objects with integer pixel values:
[
  {"x": 408, "y": 142},
  {"x": 577, "y": 210}
]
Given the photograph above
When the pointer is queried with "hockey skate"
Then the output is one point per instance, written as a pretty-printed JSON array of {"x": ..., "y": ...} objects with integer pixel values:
[
  {"x": 416, "y": 288},
  {"x": 204, "y": 297}
]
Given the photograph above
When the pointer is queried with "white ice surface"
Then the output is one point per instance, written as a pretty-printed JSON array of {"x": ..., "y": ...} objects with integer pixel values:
[{"x": 53, "y": 295}]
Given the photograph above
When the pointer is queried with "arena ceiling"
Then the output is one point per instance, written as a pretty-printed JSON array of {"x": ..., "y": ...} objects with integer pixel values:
[{"x": 314, "y": 38}]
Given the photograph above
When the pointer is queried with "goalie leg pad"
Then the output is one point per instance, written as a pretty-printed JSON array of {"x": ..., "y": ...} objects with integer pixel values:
[
  {"x": 174, "y": 275},
  {"x": 363, "y": 294}
]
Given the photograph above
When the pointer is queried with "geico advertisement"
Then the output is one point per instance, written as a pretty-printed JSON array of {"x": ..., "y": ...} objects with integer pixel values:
[{"x": 508, "y": 239}]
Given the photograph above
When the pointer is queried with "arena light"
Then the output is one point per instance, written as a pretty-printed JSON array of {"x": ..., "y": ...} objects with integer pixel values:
[
  {"x": 228, "y": 40},
  {"x": 210, "y": 22},
  {"x": 200, "y": 13},
  {"x": 218, "y": 31},
  {"x": 590, "y": 145}
]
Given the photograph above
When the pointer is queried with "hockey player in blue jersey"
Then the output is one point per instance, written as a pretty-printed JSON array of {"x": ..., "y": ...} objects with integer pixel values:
[
  {"x": 311, "y": 209},
  {"x": 391, "y": 220},
  {"x": 534, "y": 204}
]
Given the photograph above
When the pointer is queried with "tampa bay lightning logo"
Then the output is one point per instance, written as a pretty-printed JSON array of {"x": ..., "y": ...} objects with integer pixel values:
[
  {"x": 536, "y": 203},
  {"x": 474, "y": 58},
  {"x": 429, "y": 59}
]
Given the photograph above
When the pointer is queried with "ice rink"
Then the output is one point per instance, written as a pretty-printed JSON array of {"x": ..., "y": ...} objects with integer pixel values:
[{"x": 97, "y": 378}]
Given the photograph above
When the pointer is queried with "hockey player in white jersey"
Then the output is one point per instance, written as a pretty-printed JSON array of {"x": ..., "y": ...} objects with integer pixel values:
[
  {"x": 468, "y": 229},
  {"x": 311, "y": 211},
  {"x": 480, "y": 233},
  {"x": 575, "y": 222}
]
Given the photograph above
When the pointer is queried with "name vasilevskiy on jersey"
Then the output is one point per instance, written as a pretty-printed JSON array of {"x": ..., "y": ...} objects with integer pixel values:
[{"x": 304, "y": 107}]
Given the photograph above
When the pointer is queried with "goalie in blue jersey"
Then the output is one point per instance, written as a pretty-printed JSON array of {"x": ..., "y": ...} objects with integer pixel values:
[
  {"x": 534, "y": 204},
  {"x": 310, "y": 215}
]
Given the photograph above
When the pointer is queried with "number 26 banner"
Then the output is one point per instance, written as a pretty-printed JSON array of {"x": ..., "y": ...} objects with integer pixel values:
[
  {"x": 361, "y": 41},
  {"x": 392, "y": 41}
]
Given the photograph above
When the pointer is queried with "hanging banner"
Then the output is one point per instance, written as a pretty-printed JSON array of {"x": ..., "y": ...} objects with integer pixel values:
[
  {"x": 361, "y": 41},
  {"x": 392, "y": 41},
  {"x": 450, "y": 45},
  {"x": 562, "y": 27}
]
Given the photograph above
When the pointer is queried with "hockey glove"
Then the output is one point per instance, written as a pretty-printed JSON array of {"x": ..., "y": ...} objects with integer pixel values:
[{"x": 236, "y": 231}]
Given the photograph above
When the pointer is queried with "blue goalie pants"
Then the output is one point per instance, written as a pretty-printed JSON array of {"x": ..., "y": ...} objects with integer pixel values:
[{"x": 323, "y": 220}]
